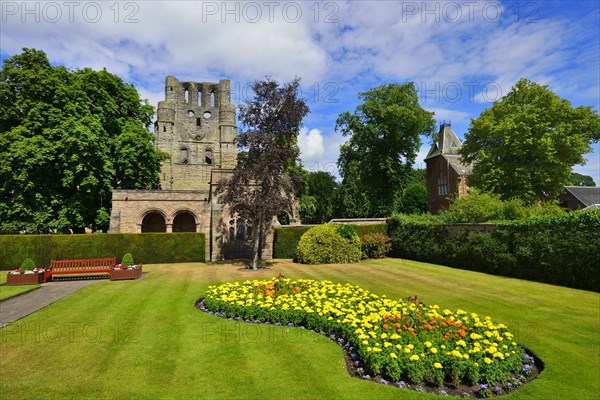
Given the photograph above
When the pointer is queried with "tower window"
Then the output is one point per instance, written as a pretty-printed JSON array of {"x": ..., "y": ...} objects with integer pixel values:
[
  {"x": 208, "y": 157},
  {"x": 183, "y": 155},
  {"x": 199, "y": 98},
  {"x": 186, "y": 96},
  {"x": 212, "y": 99},
  {"x": 164, "y": 128},
  {"x": 198, "y": 122}
]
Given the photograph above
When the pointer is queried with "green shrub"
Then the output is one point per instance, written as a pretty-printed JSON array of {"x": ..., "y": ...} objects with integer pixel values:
[
  {"x": 328, "y": 244},
  {"x": 552, "y": 247},
  {"x": 375, "y": 245},
  {"x": 286, "y": 239},
  {"x": 148, "y": 247},
  {"x": 27, "y": 265},
  {"x": 127, "y": 260}
]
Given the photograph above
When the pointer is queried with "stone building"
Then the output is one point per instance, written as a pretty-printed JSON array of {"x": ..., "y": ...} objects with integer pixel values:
[
  {"x": 196, "y": 126},
  {"x": 446, "y": 174}
]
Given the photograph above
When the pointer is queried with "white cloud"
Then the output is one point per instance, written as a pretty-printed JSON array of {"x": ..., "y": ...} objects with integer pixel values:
[{"x": 311, "y": 146}]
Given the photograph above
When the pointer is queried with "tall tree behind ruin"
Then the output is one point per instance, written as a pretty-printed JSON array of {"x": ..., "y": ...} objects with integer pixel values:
[
  {"x": 67, "y": 138},
  {"x": 263, "y": 182},
  {"x": 376, "y": 162}
]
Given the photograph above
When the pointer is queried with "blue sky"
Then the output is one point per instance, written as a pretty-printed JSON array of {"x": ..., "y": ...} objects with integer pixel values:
[{"x": 462, "y": 55}]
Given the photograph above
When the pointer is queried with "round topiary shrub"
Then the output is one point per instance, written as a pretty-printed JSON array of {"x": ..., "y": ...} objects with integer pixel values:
[
  {"x": 127, "y": 259},
  {"x": 328, "y": 244},
  {"x": 28, "y": 265}
]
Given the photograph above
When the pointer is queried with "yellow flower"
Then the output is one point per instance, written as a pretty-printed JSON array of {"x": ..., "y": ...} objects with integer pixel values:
[
  {"x": 437, "y": 365},
  {"x": 433, "y": 350},
  {"x": 393, "y": 355},
  {"x": 414, "y": 357},
  {"x": 428, "y": 344},
  {"x": 487, "y": 361}
]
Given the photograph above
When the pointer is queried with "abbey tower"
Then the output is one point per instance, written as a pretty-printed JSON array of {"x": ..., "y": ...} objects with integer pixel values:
[{"x": 196, "y": 127}]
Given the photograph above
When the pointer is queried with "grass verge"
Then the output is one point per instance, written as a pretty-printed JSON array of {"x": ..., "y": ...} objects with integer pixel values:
[
  {"x": 145, "y": 339},
  {"x": 6, "y": 292}
]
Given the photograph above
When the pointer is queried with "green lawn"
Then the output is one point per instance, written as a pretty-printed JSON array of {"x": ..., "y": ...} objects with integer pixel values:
[
  {"x": 145, "y": 339},
  {"x": 7, "y": 292}
]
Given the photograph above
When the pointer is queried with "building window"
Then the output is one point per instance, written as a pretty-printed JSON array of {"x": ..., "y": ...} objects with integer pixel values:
[
  {"x": 208, "y": 157},
  {"x": 183, "y": 155},
  {"x": 442, "y": 185}
]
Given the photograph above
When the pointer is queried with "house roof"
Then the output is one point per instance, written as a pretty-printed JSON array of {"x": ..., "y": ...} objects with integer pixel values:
[
  {"x": 587, "y": 195},
  {"x": 448, "y": 143},
  {"x": 447, "y": 146}
]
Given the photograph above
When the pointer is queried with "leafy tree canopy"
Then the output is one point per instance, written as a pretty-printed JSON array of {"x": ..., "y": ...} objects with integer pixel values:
[
  {"x": 384, "y": 141},
  {"x": 581, "y": 180},
  {"x": 322, "y": 186},
  {"x": 265, "y": 179},
  {"x": 67, "y": 138},
  {"x": 525, "y": 145}
]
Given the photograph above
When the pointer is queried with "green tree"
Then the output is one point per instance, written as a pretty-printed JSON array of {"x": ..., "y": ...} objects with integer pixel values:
[
  {"x": 265, "y": 180},
  {"x": 321, "y": 186},
  {"x": 525, "y": 145},
  {"x": 384, "y": 141},
  {"x": 414, "y": 199},
  {"x": 67, "y": 138},
  {"x": 581, "y": 180}
]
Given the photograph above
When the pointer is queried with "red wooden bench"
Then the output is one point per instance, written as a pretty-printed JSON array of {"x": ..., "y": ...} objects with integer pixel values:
[{"x": 90, "y": 266}]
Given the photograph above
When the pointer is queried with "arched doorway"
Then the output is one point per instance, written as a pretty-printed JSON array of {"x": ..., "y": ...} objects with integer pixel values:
[
  {"x": 184, "y": 222},
  {"x": 154, "y": 222},
  {"x": 238, "y": 243}
]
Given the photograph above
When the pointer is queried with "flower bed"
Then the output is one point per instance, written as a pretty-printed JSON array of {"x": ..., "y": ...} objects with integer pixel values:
[{"x": 394, "y": 339}]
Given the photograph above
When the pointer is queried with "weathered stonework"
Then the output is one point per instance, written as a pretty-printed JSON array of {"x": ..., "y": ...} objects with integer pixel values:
[{"x": 196, "y": 126}]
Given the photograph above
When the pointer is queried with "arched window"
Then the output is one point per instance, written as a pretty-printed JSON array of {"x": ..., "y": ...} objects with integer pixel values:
[
  {"x": 199, "y": 98},
  {"x": 208, "y": 157},
  {"x": 184, "y": 222},
  {"x": 153, "y": 222},
  {"x": 212, "y": 99},
  {"x": 186, "y": 96}
]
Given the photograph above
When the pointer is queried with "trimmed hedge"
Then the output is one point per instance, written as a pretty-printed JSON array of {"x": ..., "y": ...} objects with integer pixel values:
[
  {"x": 560, "y": 250},
  {"x": 148, "y": 247},
  {"x": 286, "y": 239}
]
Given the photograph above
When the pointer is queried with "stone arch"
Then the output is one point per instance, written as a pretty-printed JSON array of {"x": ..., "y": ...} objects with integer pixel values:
[
  {"x": 153, "y": 221},
  {"x": 185, "y": 221}
]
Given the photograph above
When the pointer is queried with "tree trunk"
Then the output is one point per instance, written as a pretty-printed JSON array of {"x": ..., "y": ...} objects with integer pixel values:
[{"x": 256, "y": 243}]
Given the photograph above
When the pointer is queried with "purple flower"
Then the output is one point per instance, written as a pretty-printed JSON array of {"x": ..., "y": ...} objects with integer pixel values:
[
  {"x": 483, "y": 386},
  {"x": 290, "y": 324},
  {"x": 354, "y": 355},
  {"x": 332, "y": 337},
  {"x": 526, "y": 367},
  {"x": 443, "y": 392},
  {"x": 357, "y": 363},
  {"x": 509, "y": 384},
  {"x": 420, "y": 390},
  {"x": 383, "y": 381},
  {"x": 497, "y": 388},
  {"x": 366, "y": 376},
  {"x": 401, "y": 384}
]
